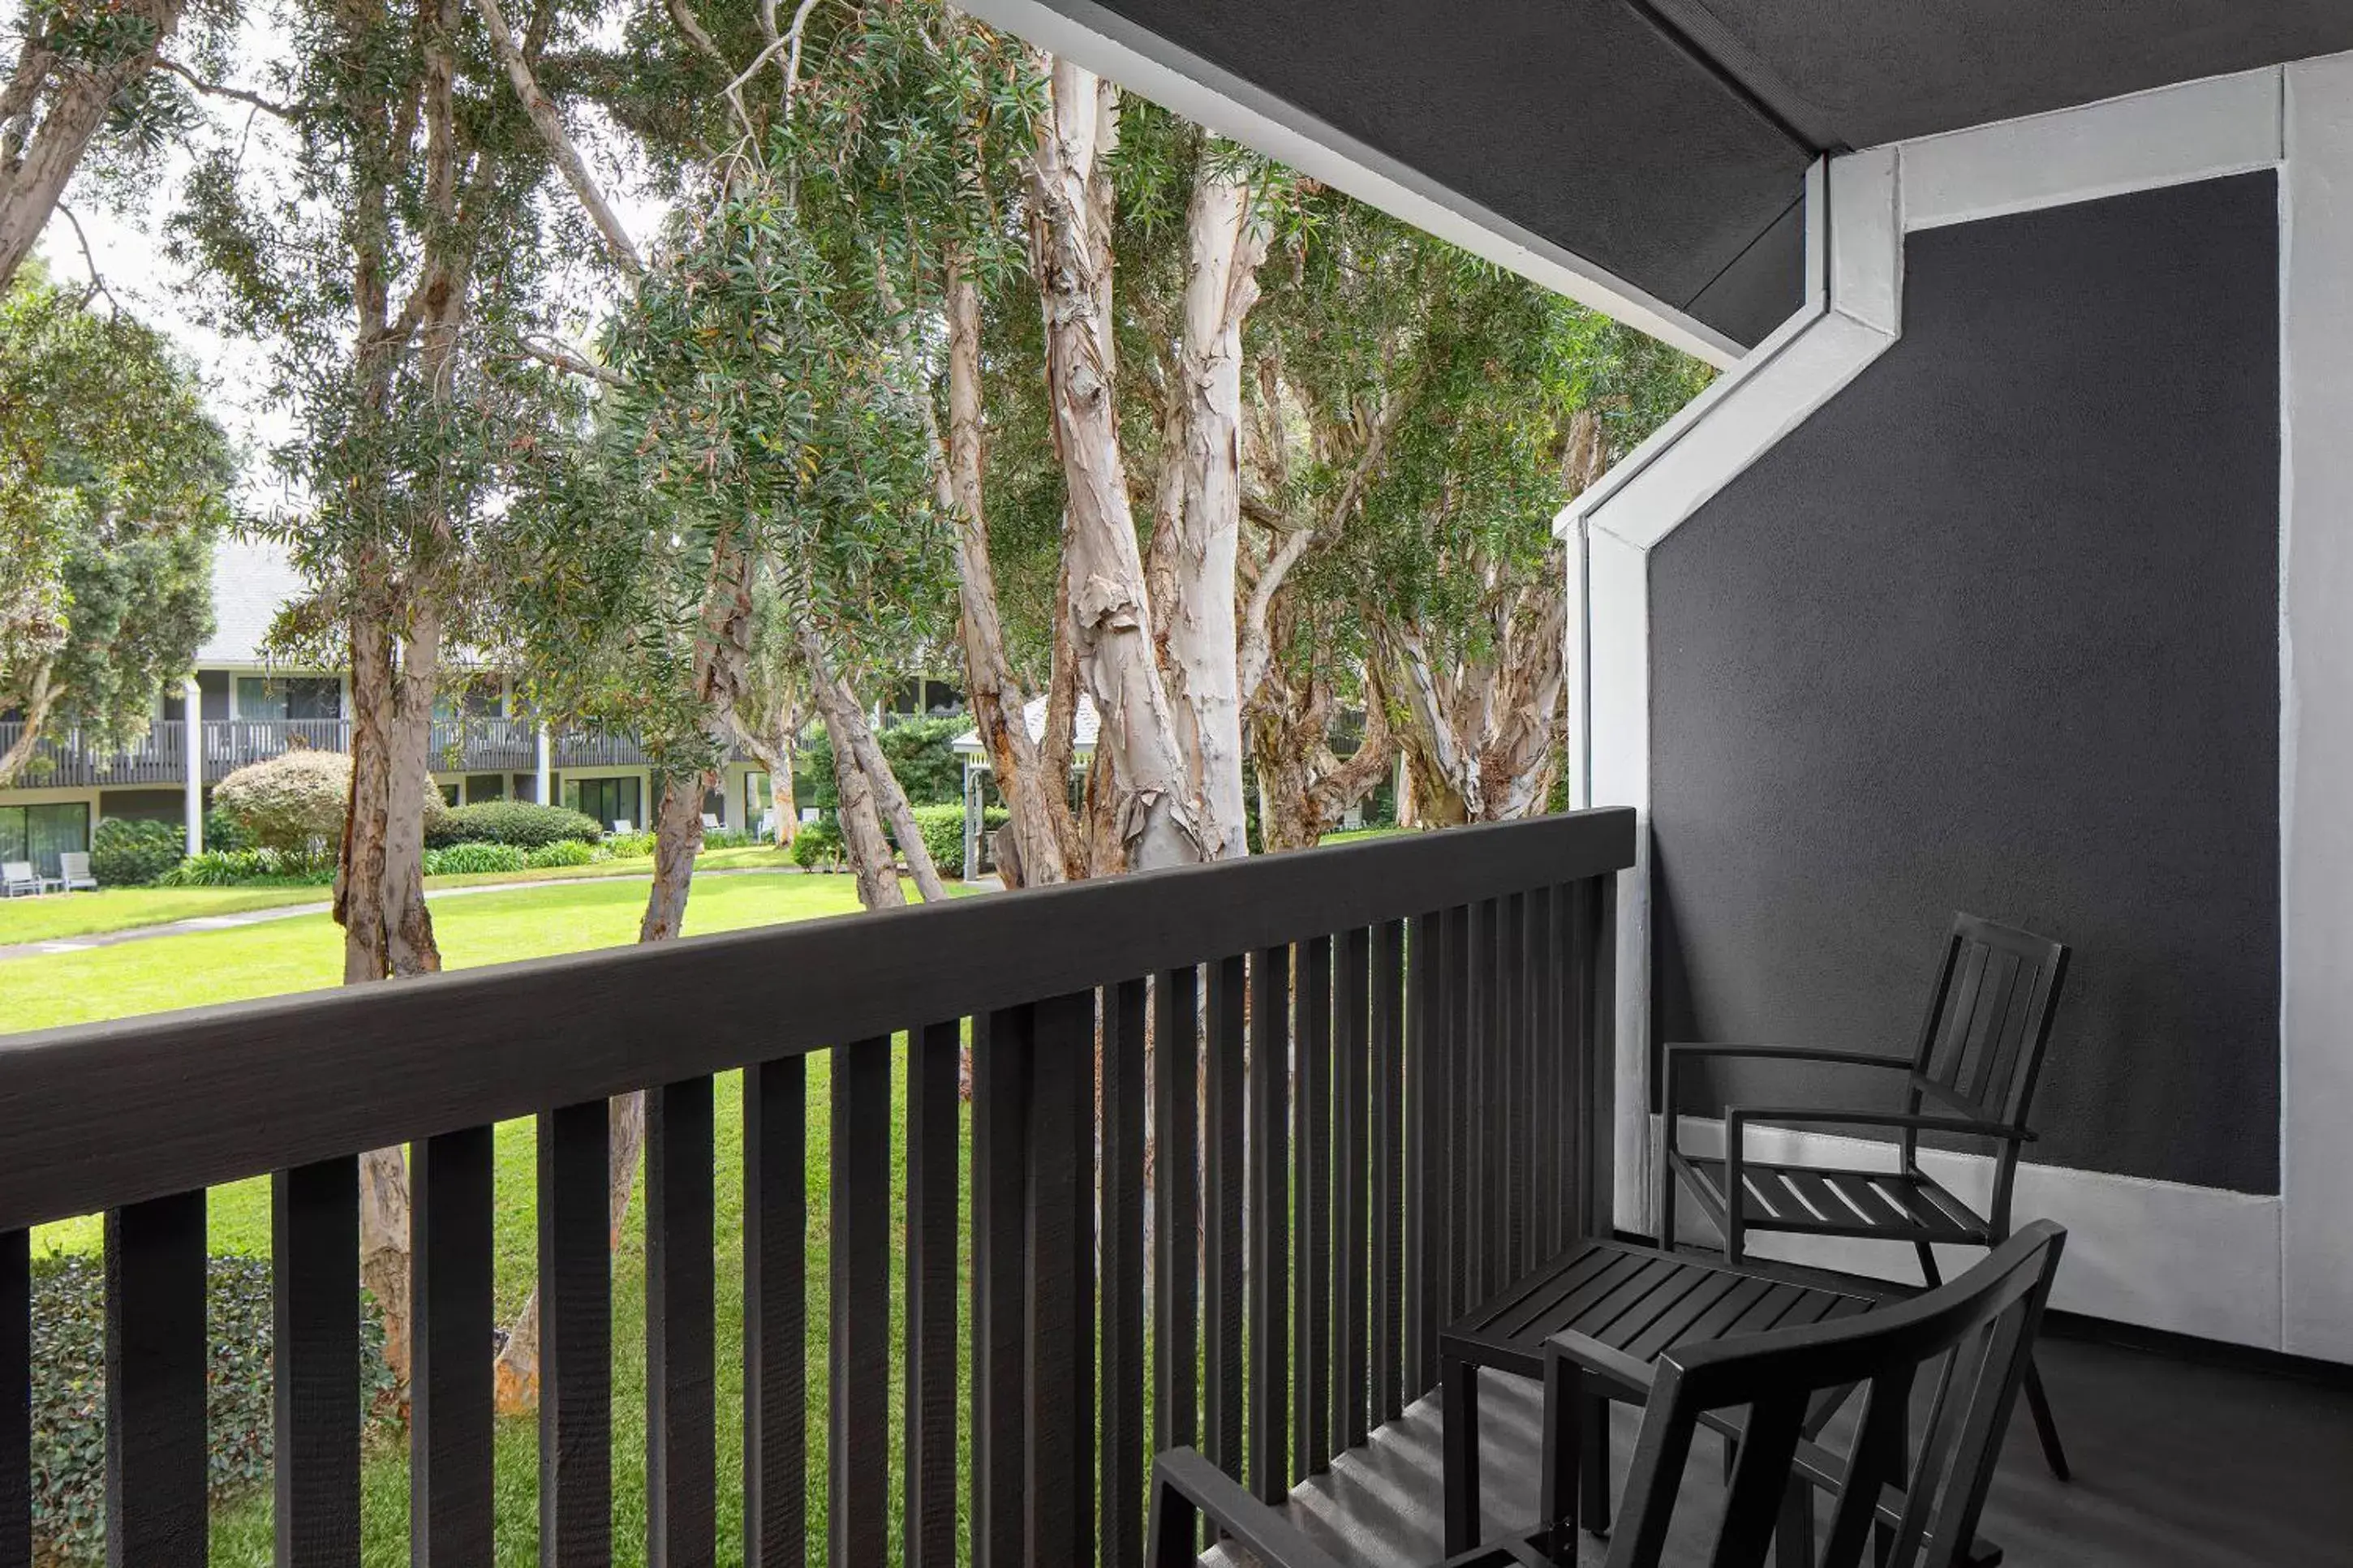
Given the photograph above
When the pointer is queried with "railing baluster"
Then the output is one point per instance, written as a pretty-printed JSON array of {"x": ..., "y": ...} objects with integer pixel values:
[
  {"x": 1511, "y": 1004},
  {"x": 1545, "y": 1067},
  {"x": 449, "y": 1500},
  {"x": 775, "y": 1313},
  {"x": 1352, "y": 1277},
  {"x": 1176, "y": 1263},
  {"x": 1223, "y": 1191},
  {"x": 314, "y": 1223},
  {"x": 1059, "y": 1403},
  {"x": 1270, "y": 1223},
  {"x": 1387, "y": 1100},
  {"x": 1425, "y": 1156},
  {"x": 1457, "y": 1058},
  {"x": 858, "y": 1390},
  {"x": 1000, "y": 1164},
  {"x": 575, "y": 1337},
  {"x": 16, "y": 1400},
  {"x": 155, "y": 1353},
  {"x": 1310, "y": 1374},
  {"x": 1124, "y": 1095},
  {"x": 933, "y": 1140},
  {"x": 1597, "y": 960},
  {"x": 682, "y": 1460}
]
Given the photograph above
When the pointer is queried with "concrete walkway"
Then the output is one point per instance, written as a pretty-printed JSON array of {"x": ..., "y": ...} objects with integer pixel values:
[{"x": 295, "y": 912}]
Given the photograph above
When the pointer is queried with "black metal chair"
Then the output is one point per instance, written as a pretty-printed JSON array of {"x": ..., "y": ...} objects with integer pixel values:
[
  {"x": 1980, "y": 1050},
  {"x": 1915, "y": 1505}
]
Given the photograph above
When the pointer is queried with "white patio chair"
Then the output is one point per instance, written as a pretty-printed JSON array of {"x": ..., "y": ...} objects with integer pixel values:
[
  {"x": 73, "y": 872},
  {"x": 621, "y": 825},
  {"x": 17, "y": 878},
  {"x": 710, "y": 823}
]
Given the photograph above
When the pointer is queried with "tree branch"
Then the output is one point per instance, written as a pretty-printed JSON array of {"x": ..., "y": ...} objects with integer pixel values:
[
  {"x": 97, "y": 284},
  {"x": 549, "y": 122},
  {"x": 565, "y": 359},
  {"x": 290, "y": 112}
]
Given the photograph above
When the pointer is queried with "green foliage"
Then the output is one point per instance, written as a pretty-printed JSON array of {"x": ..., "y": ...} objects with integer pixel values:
[
  {"x": 69, "y": 1322},
  {"x": 818, "y": 846},
  {"x": 126, "y": 854},
  {"x": 523, "y": 823},
  {"x": 247, "y": 869},
  {"x": 943, "y": 830},
  {"x": 475, "y": 859},
  {"x": 921, "y": 752},
  {"x": 638, "y": 846},
  {"x": 114, "y": 481},
  {"x": 220, "y": 833},
  {"x": 294, "y": 803},
  {"x": 564, "y": 852}
]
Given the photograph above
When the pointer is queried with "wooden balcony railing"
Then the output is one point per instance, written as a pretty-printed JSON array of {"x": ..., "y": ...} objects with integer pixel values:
[{"x": 1375, "y": 1076}]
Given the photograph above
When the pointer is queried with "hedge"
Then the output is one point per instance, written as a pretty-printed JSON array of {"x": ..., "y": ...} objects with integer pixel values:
[
  {"x": 943, "y": 830},
  {"x": 475, "y": 859},
  {"x": 566, "y": 852},
  {"x": 248, "y": 868},
  {"x": 133, "y": 854},
  {"x": 521, "y": 823},
  {"x": 817, "y": 844},
  {"x": 922, "y": 757},
  {"x": 68, "y": 1325}
]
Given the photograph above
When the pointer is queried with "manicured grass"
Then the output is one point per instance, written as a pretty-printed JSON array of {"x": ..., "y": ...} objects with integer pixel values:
[{"x": 58, "y": 917}]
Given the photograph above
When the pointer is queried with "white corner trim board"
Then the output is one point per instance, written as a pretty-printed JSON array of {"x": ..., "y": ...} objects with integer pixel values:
[
  {"x": 1136, "y": 57},
  {"x": 2269, "y": 1272},
  {"x": 2217, "y": 1251},
  {"x": 2315, "y": 732}
]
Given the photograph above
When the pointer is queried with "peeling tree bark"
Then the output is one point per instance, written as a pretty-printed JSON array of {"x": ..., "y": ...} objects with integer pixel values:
[
  {"x": 853, "y": 738},
  {"x": 1155, "y": 820},
  {"x": 1226, "y": 244}
]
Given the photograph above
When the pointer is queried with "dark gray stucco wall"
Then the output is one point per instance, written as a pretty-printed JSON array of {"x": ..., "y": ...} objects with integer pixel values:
[{"x": 1997, "y": 630}]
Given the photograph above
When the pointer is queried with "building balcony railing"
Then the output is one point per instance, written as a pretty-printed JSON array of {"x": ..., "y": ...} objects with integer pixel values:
[
  {"x": 1375, "y": 1079},
  {"x": 65, "y": 759}
]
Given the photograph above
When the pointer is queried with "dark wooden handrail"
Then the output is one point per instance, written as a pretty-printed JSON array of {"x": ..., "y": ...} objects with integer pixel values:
[
  {"x": 96, "y": 1115},
  {"x": 1376, "y": 1075}
]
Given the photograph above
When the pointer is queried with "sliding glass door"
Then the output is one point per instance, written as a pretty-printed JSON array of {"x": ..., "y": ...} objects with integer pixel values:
[{"x": 42, "y": 833}]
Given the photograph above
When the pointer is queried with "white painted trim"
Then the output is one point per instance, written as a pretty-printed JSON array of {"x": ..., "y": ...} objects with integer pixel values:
[
  {"x": 2259, "y": 1271},
  {"x": 2171, "y": 136},
  {"x": 1141, "y": 59},
  {"x": 2317, "y": 713},
  {"x": 2217, "y": 1251}
]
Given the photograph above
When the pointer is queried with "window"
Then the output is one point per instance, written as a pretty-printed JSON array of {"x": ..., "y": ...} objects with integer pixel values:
[
  {"x": 285, "y": 697},
  {"x": 607, "y": 800},
  {"x": 42, "y": 833}
]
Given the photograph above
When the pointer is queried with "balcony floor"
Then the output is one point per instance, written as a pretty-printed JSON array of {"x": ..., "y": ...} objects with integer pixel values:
[{"x": 2176, "y": 1462}]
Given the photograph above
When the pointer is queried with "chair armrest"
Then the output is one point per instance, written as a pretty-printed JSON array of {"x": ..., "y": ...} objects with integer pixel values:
[
  {"x": 1680, "y": 1052},
  {"x": 1737, "y": 1116},
  {"x": 1186, "y": 1487}
]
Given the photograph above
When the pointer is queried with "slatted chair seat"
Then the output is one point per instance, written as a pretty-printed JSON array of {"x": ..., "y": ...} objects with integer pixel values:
[{"x": 1814, "y": 1200}]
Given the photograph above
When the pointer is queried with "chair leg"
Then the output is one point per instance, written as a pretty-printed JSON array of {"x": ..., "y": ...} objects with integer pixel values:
[
  {"x": 1666, "y": 1202},
  {"x": 1593, "y": 1513},
  {"x": 1458, "y": 1398},
  {"x": 2046, "y": 1427},
  {"x": 1793, "y": 1538},
  {"x": 1564, "y": 1420},
  {"x": 1928, "y": 1272}
]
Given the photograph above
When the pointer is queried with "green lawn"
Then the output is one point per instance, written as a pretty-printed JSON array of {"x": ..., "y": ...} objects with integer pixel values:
[
  {"x": 303, "y": 952},
  {"x": 123, "y": 909}
]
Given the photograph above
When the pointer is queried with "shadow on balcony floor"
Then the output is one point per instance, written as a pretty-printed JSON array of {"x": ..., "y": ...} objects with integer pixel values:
[{"x": 2175, "y": 1463}]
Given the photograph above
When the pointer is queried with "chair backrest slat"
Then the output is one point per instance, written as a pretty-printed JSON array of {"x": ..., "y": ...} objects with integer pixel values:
[
  {"x": 1988, "y": 1020},
  {"x": 1977, "y": 1333}
]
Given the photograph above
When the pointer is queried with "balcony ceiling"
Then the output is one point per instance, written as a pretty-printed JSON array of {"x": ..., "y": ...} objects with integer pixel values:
[{"x": 1665, "y": 141}]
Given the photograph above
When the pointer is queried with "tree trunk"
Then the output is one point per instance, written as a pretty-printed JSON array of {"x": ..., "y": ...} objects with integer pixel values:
[
  {"x": 1036, "y": 805},
  {"x": 854, "y": 739},
  {"x": 37, "y": 703},
  {"x": 862, "y": 841},
  {"x": 1199, "y": 640},
  {"x": 678, "y": 840},
  {"x": 1071, "y": 251},
  {"x": 34, "y": 173}
]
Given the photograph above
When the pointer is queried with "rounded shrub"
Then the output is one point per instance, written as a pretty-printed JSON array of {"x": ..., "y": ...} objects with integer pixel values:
[
  {"x": 294, "y": 803},
  {"x": 474, "y": 859},
  {"x": 943, "y": 830},
  {"x": 564, "y": 852},
  {"x": 135, "y": 854},
  {"x": 68, "y": 1323},
  {"x": 521, "y": 823},
  {"x": 818, "y": 846}
]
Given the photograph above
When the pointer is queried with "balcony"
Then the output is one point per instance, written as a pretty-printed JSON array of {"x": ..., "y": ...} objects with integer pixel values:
[
  {"x": 1240, "y": 1140},
  {"x": 65, "y": 760}
]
